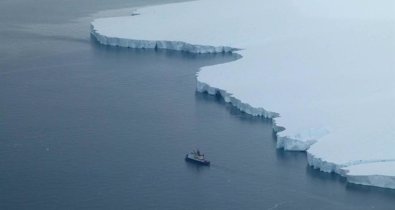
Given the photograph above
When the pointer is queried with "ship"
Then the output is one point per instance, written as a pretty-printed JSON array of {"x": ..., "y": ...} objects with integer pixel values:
[{"x": 197, "y": 157}]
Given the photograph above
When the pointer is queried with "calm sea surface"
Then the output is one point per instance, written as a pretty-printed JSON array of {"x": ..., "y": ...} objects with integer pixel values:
[{"x": 85, "y": 126}]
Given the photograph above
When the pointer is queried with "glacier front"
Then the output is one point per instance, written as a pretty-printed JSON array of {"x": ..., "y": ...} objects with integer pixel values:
[{"x": 324, "y": 71}]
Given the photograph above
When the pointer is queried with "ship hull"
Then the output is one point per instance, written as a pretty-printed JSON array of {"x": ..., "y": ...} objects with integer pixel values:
[{"x": 199, "y": 162}]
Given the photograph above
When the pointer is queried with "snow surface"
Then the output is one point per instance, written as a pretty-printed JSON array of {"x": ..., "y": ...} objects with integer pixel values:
[{"x": 323, "y": 70}]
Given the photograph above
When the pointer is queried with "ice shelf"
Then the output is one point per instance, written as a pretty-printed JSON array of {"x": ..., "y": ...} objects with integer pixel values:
[{"x": 323, "y": 71}]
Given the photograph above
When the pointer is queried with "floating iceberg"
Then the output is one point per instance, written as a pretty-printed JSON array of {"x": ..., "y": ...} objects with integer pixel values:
[{"x": 323, "y": 70}]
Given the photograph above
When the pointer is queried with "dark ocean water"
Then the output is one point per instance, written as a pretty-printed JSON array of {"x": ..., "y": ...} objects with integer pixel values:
[{"x": 85, "y": 126}]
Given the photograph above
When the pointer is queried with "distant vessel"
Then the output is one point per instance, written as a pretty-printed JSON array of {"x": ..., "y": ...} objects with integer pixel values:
[{"x": 197, "y": 157}]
